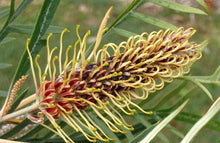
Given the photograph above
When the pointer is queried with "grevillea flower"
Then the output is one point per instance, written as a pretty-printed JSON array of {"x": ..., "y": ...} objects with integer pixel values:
[{"x": 105, "y": 83}]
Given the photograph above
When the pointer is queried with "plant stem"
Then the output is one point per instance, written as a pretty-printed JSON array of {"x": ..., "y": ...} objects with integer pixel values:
[
  {"x": 20, "y": 112},
  {"x": 26, "y": 101}
]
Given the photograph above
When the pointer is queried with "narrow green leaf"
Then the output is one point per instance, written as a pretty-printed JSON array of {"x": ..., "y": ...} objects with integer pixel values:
[
  {"x": 6, "y": 40},
  {"x": 123, "y": 32},
  {"x": 161, "y": 93},
  {"x": 23, "y": 65},
  {"x": 175, "y": 131},
  {"x": 215, "y": 108},
  {"x": 47, "y": 12},
  {"x": 4, "y": 65},
  {"x": 20, "y": 8},
  {"x": 4, "y": 32},
  {"x": 16, "y": 129},
  {"x": 212, "y": 79},
  {"x": 62, "y": 124},
  {"x": 204, "y": 44},
  {"x": 142, "y": 120},
  {"x": 178, "y": 7},
  {"x": 129, "y": 135},
  {"x": 199, "y": 85},
  {"x": 134, "y": 4},
  {"x": 33, "y": 131},
  {"x": 204, "y": 5},
  {"x": 3, "y": 13},
  {"x": 148, "y": 124},
  {"x": 162, "y": 124},
  {"x": 153, "y": 21},
  {"x": 12, "y": 9},
  {"x": 28, "y": 29},
  {"x": 193, "y": 118},
  {"x": 168, "y": 95},
  {"x": 169, "y": 127},
  {"x": 180, "y": 101},
  {"x": 138, "y": 138},
  {"x": 76, "y": 137}
]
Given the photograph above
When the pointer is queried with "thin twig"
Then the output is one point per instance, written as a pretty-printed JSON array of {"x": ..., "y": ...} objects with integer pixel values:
[{"x": 20, "y": 112}]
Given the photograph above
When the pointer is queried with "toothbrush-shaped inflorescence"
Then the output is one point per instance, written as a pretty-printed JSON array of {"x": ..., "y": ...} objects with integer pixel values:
[{"x": 108, "y": 81}]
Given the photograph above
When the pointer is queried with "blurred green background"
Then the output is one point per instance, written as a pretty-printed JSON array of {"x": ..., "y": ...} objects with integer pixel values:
[{"x": 89, "y": 13}]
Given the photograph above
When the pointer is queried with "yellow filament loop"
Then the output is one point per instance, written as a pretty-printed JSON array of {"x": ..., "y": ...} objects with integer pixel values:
[
  {"x": 48, "y": 55},
  {"x": 123, "y": 65},
  {"x": 91, "y": 129},
  {"x": 126, "y": 103},
  {"x": 99, "y": 68},
  {"x": 61, "y": 108},
  {"x": 72, "y": 99},
  {"x": 66, "y": 60},
  {"x": 100, "y": 33},
  {"x": 128, "y": 52},
  {"x": 73, "y": 59},
  {"x": 160, "y": 85},
  {"x": 121, "y": 107},
  {"x": 77, "y": 34},
  {"x": 44, "y": 125},
  {"x": 49, "y": 105},
  {"x": 136, "y": 84},
  {"x": 132, "y": 103},
  {"x": 112, "y": 96},
  {"x": 68, "y": 120},
  {"x": 62, "y": 134},
  {"x": 110, "y": 125},
  {"x": 38, "y": 67},
  {"x": 88, "y": 90},
  {"x": 87, "y": 116},
  {"x": 83, "y": 47},
  {"x": 82, "y": 53},
  {"x": 64, "y": 84},
  {"x": 71, "y": 120},
  {"x": 113, "y": 117},
  {"x": 88, "y": 136},
  {"x": 84, "y": 118},
  {"x": 130, "y": 42},
  {"x": 110, "y": 76},
  {"x": 97, "y": 99},
  {"x": 122, "y": 81},
  {"x": 54, "y": 70},
  {"x": 134, "y": 52},
  {"x": 103, "y": 54},
  {"x": 92, "y": 104},
  {"x": 49, "y": 62},
  {"x": 128, "y": 126},
  {"x": 134, "y": 66},
  {"x": 31, "y": 63},
  {"x": 61, "y": 49},
  {"x": 113, "y": 46},
  {"x": 79, "y": 39},
  {"x": 135, "y": 96}
]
